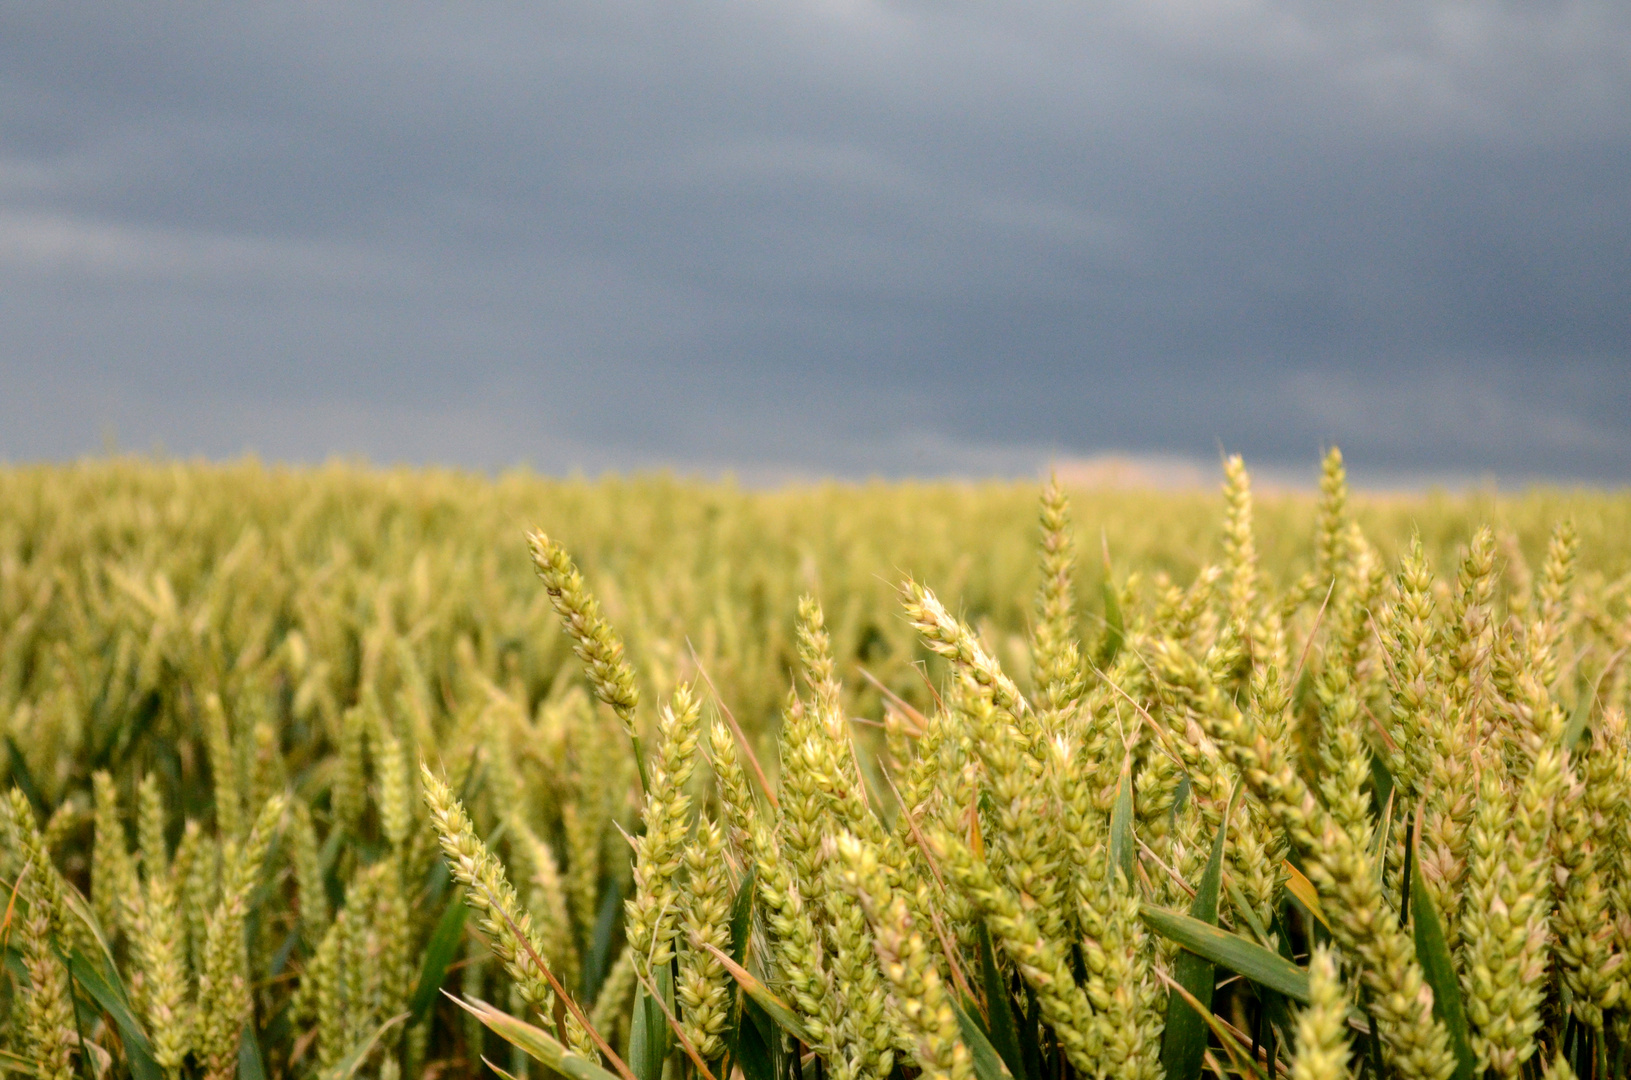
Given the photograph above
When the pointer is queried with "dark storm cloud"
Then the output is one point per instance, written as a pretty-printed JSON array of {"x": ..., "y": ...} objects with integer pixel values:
[{"x": 838, "y": 235}]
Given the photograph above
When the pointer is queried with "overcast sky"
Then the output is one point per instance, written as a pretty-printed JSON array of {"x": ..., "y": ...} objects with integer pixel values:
[{"x": 821, "y": 235}]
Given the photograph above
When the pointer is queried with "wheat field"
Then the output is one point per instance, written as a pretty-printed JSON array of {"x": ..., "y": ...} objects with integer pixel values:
[{"x": 341, "y": 772}]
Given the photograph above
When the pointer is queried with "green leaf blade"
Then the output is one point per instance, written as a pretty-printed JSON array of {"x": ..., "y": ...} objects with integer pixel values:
[
  {"x": 251, "y": 1063},
  {"x": 110, "y": 994},
  {"x": 1183, "y": 1047},
  {"x": 538, "y": 1043},
  {"x": 1433, "y": 953},
  {"x": 1004, "y": 1024},
  {"x": 439, "y": 954},
  {"x": 348, "y": 1066},
  {"x": 1115, "y": 632},
  {"x": 988, "y": 1064},
  {"x": 778, "y": 1010},
  {"x": 1122, "y": 853},
  {"x": 650, "y": 1038},
  {"x": 752, "y": 1052},
  {"x": 1244, "y": 958}
]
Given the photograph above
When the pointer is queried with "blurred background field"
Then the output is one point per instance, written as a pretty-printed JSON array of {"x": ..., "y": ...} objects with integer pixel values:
[{"x": 129, "y": 587}]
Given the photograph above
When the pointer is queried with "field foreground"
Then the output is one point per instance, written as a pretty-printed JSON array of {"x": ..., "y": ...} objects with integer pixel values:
[{"x": 654, "y": 776}]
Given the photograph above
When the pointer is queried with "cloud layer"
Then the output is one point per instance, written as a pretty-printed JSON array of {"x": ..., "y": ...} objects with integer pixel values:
[{"x": 822, "y": 235}]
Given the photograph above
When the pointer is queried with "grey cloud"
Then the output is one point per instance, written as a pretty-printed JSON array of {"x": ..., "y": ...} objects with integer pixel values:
[{"x": 832, "y": 234}]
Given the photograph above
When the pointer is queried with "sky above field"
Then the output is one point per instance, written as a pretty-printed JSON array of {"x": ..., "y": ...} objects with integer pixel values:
[{"x": 834, "y": 236}]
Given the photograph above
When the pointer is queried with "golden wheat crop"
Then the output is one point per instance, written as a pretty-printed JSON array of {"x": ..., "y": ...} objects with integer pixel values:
[{"x": 324, "y": 772}]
